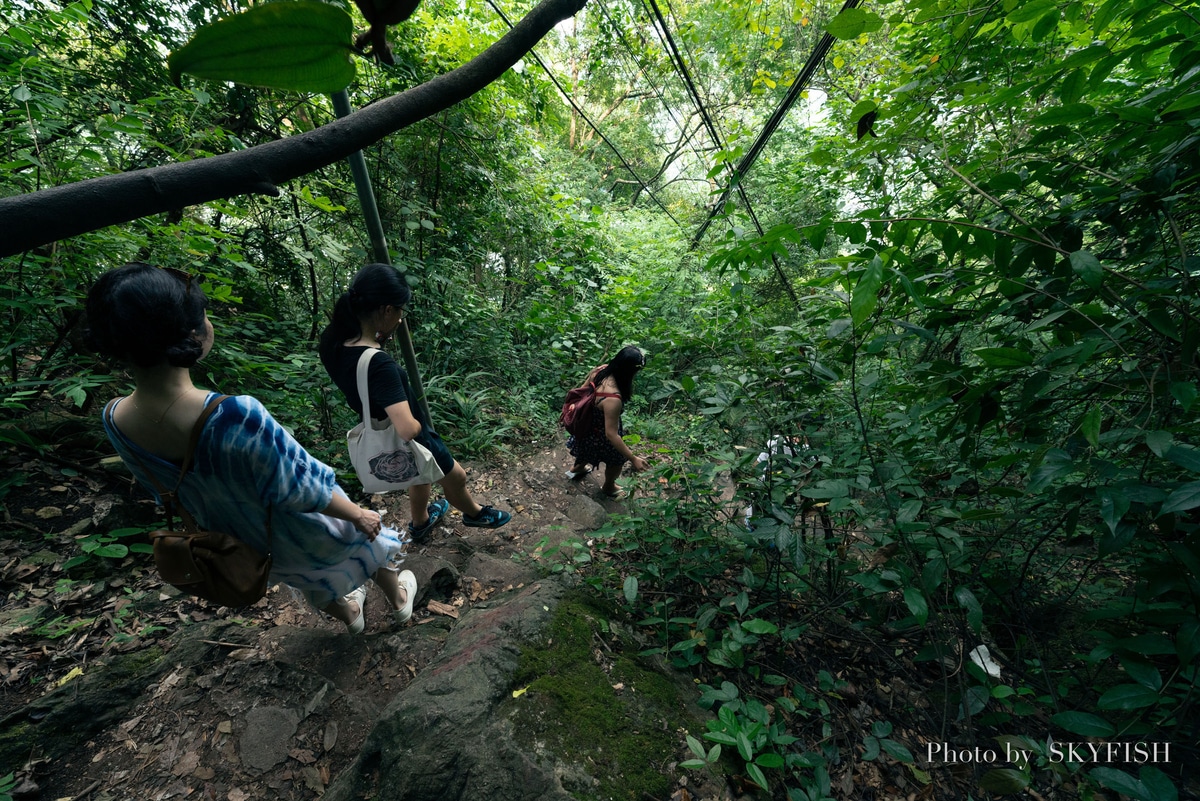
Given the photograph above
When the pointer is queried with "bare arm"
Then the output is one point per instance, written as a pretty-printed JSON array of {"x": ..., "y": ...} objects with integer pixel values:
[
  {"x": 401, "y": 416},
  {"x": 365, "y": 520},
  {"x": 612, "y": 427}
]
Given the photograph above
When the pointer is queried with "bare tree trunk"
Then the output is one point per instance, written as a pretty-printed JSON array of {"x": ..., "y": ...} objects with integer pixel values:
[{"x": 38, "y": 218}]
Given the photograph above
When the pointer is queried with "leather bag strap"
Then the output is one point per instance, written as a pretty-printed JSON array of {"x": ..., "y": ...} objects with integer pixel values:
[
  {"x": 194, "y": 440},
  {"x": 168, "y": 495}
]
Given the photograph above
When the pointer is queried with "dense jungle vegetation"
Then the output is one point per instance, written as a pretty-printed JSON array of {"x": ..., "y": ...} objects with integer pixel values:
[{"x": 954, "y": 272}]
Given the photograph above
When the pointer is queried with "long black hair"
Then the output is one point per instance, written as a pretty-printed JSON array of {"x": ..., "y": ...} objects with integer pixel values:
[
  {"x": 623, "y": 367},
  {"x": 372, "y": 287},
  {"x": 146, "y": 316}
]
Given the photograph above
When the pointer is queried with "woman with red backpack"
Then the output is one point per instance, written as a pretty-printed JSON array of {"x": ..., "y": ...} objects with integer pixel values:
[{"x": 598, "y": 437}]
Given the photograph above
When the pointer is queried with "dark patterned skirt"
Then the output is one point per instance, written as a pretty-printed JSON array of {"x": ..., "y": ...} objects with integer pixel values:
[{"x": 593, "y": 447}]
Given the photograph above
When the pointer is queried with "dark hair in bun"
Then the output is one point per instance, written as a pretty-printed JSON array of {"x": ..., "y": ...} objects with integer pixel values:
[{"x": 147, "y": 316}]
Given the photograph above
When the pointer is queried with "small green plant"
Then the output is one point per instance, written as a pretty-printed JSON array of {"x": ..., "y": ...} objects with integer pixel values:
[
  {"x": 78, "y": 386},
  {"x": 567, "y": 557},
  {"x": 7, "y": 783},
  {"x": 61, "y": 626},
  {"x": 130, "y": 626},
  {"x": 468, "y": 420},
  {"x": 878, "y": 742},
  {"x": 746, "y": 726},
  {"x": 108, "y": 545}
]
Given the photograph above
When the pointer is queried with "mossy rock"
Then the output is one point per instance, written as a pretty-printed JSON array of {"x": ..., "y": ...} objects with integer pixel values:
[{"x": 588, "y": 699}]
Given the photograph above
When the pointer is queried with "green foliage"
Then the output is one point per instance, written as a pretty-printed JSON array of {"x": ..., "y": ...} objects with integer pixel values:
[
  {"x": 108, "y": 545},
  {"x": 1007, "y": 389},
  {"x": 747, "y": 727},
  {"x": 470, "y": 422},
  {"x": 299, "y": 45},
  {"x": 975, "y": 326},
  {"x": 852, "y": 23}
]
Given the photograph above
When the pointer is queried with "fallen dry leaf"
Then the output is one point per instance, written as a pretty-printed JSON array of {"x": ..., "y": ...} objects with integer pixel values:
[
  {"x": 302, "y": 755},
  {"x": 74, "y": 673},
  {"x": 314, "y": 780},
  {"x": 166, "y": 684},
  {"x": 331, "y": 735},
  {"x": 186, "y": 764}
]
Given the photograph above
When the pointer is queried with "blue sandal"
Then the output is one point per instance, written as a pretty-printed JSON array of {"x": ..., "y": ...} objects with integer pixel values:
[
  {"x": 488, "y": 517},
  {"x": 437, "y": 510}
]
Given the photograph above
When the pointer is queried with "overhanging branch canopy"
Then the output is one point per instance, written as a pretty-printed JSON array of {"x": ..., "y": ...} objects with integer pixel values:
[{"x": 39, "y": 218}]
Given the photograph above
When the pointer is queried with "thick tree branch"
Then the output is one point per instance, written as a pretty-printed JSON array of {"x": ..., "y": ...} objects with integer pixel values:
[{"x": 38, "y": 218}]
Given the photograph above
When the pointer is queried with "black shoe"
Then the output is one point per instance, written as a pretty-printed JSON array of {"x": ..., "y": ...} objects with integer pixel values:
[
  {"x": 487, "y": 518},
  {"x": 437, "y": 510}
]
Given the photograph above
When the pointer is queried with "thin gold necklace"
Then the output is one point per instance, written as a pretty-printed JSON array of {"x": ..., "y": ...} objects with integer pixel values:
[{"x": 163, "y": 416}]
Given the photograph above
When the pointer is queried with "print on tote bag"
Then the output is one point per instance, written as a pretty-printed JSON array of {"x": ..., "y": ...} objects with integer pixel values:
[{"x": 394, "y": 467}]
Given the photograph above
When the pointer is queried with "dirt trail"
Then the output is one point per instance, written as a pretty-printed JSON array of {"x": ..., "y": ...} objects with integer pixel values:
[{"x": 273, "y": 701}]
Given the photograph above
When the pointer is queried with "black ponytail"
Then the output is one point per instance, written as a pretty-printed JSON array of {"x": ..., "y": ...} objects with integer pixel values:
[
  {"x": 343, "y": 326},
  {"x": 372, "y": 287}
]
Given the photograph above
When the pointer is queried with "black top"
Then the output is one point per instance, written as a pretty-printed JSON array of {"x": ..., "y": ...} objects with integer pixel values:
[{"x": 387, "y": 380}]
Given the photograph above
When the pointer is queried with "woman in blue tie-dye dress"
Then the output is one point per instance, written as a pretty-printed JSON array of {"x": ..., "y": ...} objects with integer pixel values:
[{"x": 245, "y": 463}]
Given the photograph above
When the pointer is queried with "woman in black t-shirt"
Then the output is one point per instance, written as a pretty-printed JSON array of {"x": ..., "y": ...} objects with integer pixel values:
[{"x": 364, "y": 317}]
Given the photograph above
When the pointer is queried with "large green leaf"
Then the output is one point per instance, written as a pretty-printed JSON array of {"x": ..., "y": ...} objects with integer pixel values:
[
  {"x": 1128, "y": 696},
  {"x": 1087, "y": 267},
  {"x": 865, "y": 297},
  {"x": 1185, "y": 456},
  {"x": 1004, "y": 781},
  {"x": 917, "y": 604},
  {"x": 760, "y": 626},
  {"x": 1004, "y": 357},
  {"x": 298, "y": 45},
  {"x": 1084, "y": 723},
  {"x": 1090, "y": 426},
  {"x": 853, "y": 22},
  {"x": 1184, "y": 392},
  {"x": 1113, "y": 505},
  {"x": 967, "y": 600},
  {"x": 1182, "y": 499},
  {"x": 1066, "y": 113},
  {"x": 1122, "y": 782},
  {"x": 1159, "y": 786}
]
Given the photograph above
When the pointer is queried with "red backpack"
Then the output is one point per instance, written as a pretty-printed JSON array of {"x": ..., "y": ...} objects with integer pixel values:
[{"x": 576, "y": 414}]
